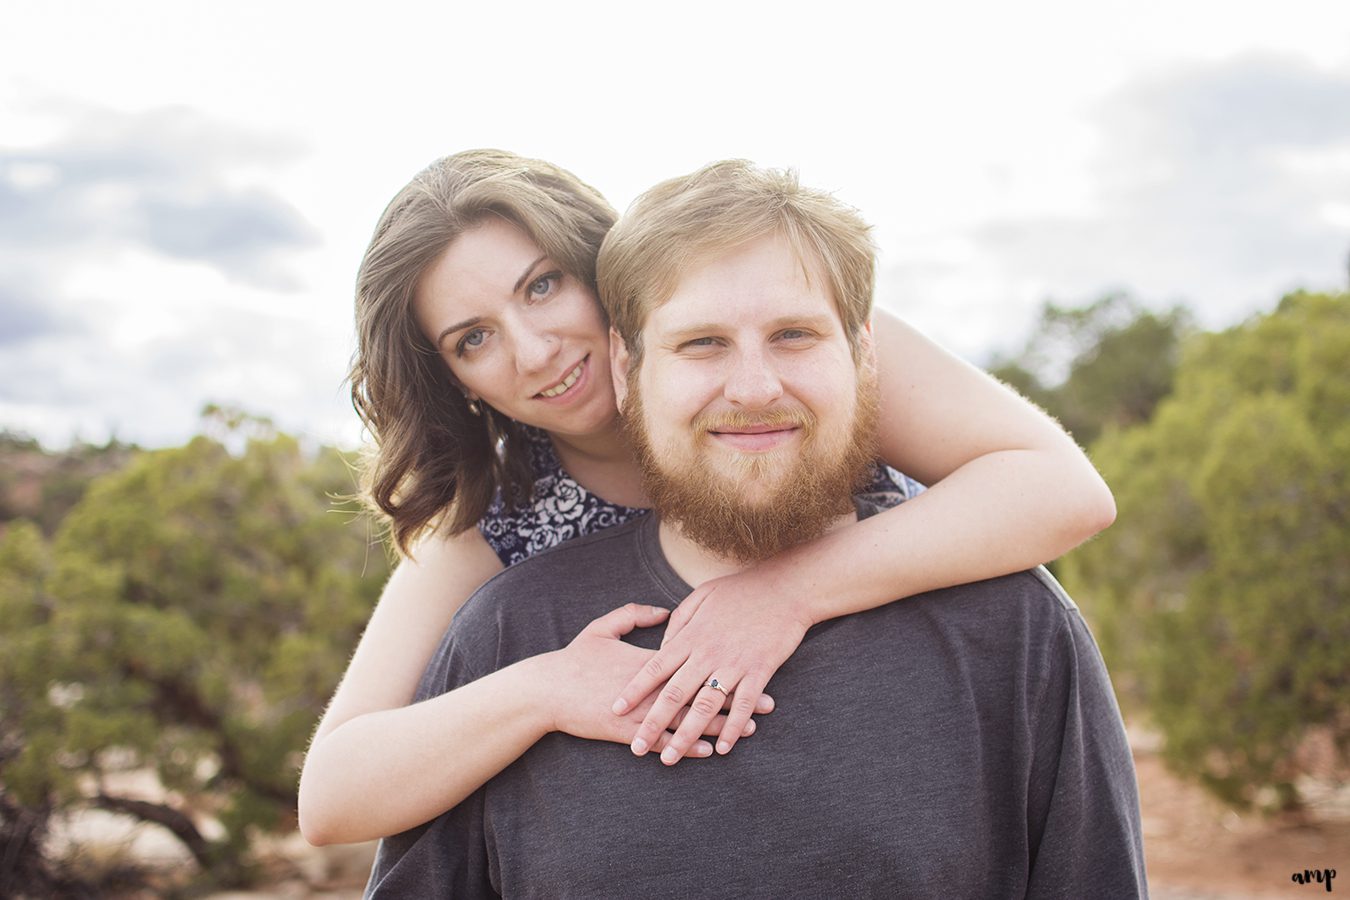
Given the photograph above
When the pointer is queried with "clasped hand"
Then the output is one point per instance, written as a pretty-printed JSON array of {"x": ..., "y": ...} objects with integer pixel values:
[
  {"x": 732, "y": 629},
  {"x": 588, "y": 671}
]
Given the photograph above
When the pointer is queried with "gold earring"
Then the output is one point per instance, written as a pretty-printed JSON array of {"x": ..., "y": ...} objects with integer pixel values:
[{"x": 474, "y": 407}]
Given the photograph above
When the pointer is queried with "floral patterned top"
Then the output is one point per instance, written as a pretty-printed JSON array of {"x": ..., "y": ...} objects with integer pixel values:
[{"x": 560, "y": 509}]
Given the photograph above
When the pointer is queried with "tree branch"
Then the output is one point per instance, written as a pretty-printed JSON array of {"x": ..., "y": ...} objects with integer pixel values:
[{"x": 176, "y": 822}]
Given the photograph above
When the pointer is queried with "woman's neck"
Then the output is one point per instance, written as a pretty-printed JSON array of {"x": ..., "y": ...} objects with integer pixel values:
[{"x": 603, "y": 464}]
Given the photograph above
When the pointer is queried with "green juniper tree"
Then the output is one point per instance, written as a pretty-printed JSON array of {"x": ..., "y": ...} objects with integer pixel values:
[
  {"x": 191, "y": 616},
  {"x": 1105, "y": 364},
  {"x": 1222, "y": 594}
]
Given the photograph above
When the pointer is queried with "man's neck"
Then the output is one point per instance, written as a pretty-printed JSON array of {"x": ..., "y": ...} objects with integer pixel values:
[{"x": 696, "y": 564}]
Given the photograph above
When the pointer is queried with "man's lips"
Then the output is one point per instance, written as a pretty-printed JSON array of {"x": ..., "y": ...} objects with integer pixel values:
[
  {"x": 752, "y": 429},
  {"x": 754, "y": 438}
]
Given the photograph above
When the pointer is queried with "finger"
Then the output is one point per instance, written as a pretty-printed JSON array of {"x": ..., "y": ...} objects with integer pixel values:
[
  {"x": 706, "y": 704},
  {"x": 715, "y": 725},
  {"x": 655, "y": 672},
  {"x": 763, "y": 706},
  {"x": 678, "y": 692},
  {"x": 619, "y": 622},
  {"x": 700, "y": 749},
  {"x": 743, "y": 704},
  {"x": 683, "y": 613}
]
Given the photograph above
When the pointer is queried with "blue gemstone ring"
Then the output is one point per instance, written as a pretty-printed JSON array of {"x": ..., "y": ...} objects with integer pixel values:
[{"x": 718, "y": 686}]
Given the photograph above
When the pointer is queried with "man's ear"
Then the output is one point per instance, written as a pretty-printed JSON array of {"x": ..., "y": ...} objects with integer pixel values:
[
  {"x": 867, "y": 347},
  {"x": 618, "y": 366}
]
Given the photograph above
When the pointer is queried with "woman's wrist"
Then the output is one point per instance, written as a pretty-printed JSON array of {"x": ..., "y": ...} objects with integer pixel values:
[
  {"x": 535, "y": 688},
  {"x": 798, "y": 577}
]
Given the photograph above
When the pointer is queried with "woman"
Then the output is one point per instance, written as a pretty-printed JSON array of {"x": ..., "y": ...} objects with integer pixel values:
[{"x": 482, "y": 373}]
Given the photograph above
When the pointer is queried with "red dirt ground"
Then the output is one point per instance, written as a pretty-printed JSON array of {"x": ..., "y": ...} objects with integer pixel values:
[{"x": 1198, "y": 849}]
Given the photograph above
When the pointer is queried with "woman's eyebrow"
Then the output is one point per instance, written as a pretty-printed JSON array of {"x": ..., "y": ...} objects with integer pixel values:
[
  {"x": 521, "y": 283},
  {"x": 458, "y": 326}
]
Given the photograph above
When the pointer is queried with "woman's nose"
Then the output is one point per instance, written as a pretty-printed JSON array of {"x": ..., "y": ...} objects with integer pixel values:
[{"x": 535, "y": 350}]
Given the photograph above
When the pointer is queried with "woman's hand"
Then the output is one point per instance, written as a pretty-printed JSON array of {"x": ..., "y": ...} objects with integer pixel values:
[
  {"x": 596, "y": 663},
  {"x": 734, "y": 629}
]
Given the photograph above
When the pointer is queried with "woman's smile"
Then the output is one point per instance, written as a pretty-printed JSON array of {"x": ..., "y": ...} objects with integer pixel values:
[{"x": 563, "y": 388}]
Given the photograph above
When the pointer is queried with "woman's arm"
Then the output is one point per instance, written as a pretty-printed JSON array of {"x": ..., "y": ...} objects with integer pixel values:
[
  {"x": 378, "y": 766},
  {"x": 350, "y": 749},
  {"x": 1010, "y": 490}
]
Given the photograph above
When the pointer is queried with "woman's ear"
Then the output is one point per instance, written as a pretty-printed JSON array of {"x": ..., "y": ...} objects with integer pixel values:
[
  {"x": 618, "y": 367},
  {"x": 470, "y": 397}
]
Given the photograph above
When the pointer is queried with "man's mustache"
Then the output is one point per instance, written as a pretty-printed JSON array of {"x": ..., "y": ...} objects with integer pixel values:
[{"x": 740, "y": 420}]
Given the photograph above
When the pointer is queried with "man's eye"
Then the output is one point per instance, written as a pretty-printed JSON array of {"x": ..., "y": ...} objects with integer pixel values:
[
  {"x": 544, "y": 285},
  {"x": 699, "y": 342},
  {"x": 793, "y": 334},
  {"x": 471, "y": 340}
]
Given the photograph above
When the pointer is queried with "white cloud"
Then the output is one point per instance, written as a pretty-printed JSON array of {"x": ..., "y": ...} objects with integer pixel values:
[{"x": 1213, "y": 188}]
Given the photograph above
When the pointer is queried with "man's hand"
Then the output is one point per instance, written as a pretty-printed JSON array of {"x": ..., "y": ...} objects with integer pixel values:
[
  {"x": 732, "y": 629},
  {"x": 589, "y": 670}
]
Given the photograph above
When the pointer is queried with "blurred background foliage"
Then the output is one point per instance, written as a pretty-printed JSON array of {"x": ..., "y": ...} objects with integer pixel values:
[
  {"x": 1220, "y": 595},
  {"x": 190, "y": 615},
  {"x": 189, "y": 611}
]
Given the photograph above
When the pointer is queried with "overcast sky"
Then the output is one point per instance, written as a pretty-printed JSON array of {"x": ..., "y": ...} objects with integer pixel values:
[{"x": 186, "y": 189}]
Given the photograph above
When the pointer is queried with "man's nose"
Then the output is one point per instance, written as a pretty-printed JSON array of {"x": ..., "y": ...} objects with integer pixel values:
[{"x": 752, "y": 382}]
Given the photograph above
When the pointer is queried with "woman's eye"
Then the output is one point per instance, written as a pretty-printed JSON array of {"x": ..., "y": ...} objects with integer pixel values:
[
  {"x": 471, "y": 340},
  {"x": 544, "y": 285}
]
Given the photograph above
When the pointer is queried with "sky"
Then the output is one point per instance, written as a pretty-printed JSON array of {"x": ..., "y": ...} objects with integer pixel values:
[{"x": 186, "y": 188}]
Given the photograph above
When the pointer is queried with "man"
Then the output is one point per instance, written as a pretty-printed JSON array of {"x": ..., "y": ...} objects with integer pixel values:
[{"x": 963, "y": 743}]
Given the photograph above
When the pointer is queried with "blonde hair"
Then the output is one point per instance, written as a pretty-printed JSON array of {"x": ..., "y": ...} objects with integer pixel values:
[
  {"x": 435, "y": 463},
  {"x": 723, "y": 205}
]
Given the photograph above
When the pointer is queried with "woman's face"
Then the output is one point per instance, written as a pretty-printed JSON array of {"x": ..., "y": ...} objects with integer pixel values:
[{"x": 517, "y": 332}]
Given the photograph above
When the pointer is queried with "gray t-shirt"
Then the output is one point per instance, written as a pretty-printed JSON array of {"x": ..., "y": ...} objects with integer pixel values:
[{"x": 962, "y": 743}]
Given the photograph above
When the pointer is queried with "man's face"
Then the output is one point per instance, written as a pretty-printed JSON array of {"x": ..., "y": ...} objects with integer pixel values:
[{"x": 748, "y": 414}]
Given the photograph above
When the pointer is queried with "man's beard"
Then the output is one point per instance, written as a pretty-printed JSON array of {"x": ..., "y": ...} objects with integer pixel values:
[{"x": 715, "y": 509}]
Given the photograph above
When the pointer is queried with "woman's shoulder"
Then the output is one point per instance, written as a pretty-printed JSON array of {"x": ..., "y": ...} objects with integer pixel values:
[
  {"x": 889, "y": 487},
  {"x": 558, "y": 509}
]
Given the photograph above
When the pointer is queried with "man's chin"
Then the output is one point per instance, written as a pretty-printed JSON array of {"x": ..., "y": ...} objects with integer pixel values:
[
  {"x": 752, "y": 493},
  {"x": 754, "y": 474}
]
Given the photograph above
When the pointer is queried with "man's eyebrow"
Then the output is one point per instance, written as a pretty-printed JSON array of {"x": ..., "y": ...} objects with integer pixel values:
[
  {"x": 818, "y": 322},
  {"x": 526, "y": 274},
  {"x": 687, "y": 331}
]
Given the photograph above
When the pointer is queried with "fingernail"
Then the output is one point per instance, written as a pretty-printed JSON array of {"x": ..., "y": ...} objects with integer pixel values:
[
  {"x": 749, "y": 727},
  {"x": 620, "y": 707},
  {"x": 723, "y": 747},
  {"x": 669, "y": 756},
  {"x": 639, "y": 747},
  {"x": 703, "y": 748}
]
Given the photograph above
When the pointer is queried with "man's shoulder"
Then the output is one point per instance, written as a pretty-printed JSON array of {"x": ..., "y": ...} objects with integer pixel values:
[
  {"x": 538, "y": 605},
  {"x": 1039, "y": 587},
  {"x": 1023, "y": 606}
]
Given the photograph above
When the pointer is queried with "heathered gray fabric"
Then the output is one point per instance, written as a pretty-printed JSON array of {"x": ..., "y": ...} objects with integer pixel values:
[{"x": 964, "y": 743}]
